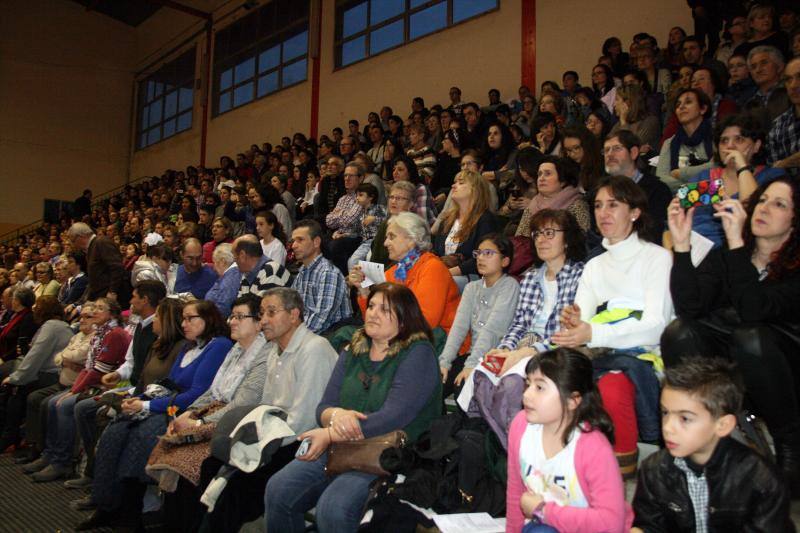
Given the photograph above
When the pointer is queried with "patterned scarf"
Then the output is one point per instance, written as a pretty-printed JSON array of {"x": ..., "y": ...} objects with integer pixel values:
[
  {"x": 406, "y": 263},
  {"x": 234, "y": 369},
  {"x": 702, "y": 135},
  {"x": 96, "y": 342}
]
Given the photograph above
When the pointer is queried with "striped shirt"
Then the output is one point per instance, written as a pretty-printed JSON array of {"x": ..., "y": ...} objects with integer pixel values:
[
  {"x": 425, "y": 159},
  {"x": 266, "y": 275}
]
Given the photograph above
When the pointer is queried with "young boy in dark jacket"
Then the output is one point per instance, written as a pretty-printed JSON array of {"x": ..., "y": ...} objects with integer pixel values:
[{"x": 704, "y": 480}]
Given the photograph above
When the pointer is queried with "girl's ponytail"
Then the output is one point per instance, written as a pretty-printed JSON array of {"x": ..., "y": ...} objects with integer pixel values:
[{"x": 571, "y": 371}]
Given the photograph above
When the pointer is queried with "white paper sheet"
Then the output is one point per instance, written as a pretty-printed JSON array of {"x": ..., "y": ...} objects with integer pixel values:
[
  {"x": 472, "y": 522},
  {"x": 700, "y": 247},
  {"x": 373, "y": 273}
]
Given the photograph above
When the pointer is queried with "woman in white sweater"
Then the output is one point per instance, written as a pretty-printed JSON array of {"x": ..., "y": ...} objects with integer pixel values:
[{"x": 623, "y": 304}]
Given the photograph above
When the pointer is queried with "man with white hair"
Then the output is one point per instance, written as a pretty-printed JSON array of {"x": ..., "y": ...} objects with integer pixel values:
[
  {"x": 766, "y": 68},
  {"x": 103, "y": 265}
]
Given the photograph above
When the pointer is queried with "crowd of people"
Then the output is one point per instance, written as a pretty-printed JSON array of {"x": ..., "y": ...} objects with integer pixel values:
[{"x": 582, "y": 270}]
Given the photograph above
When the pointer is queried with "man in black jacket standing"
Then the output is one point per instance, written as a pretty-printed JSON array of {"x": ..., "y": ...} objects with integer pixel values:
[{"x": 103, "y": 265}]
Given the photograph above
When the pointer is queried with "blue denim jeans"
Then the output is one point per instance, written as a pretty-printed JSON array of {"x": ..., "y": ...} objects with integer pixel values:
[
  {"x": 533, "y": 527},
  {"x": 360, "y": 254},
  {"x": 301, "y": 485},
  {"x": 644, "y": 378},
  {"x": 60, "y": 441}
]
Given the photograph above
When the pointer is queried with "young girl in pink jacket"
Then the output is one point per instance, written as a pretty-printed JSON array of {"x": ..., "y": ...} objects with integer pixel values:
[{"x": 562, "y": 473}]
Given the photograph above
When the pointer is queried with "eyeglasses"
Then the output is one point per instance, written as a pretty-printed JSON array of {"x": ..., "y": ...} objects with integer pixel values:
[
  {"x": 272, "y": 311},
  {"x": 548, "y": 233},
  {"x": 189, "y": 318},
  {"x": 573, "y": 150},
  {"x": 240, "y": 317},
  {"x": 485, "y": 253}
]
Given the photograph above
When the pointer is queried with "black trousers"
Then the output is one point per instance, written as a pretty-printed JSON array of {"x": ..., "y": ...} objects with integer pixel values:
[
  {"x": 338, "y": 251},
  {"x": 766, "y": 356},
  {"x": 13, "y": 406},
  {"x": 242, "y": 500},
  {"x": 36, "y": 417}
]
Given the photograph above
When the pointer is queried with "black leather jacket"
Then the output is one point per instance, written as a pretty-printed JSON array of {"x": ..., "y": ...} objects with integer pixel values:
[{"x": 745, "y": 494}]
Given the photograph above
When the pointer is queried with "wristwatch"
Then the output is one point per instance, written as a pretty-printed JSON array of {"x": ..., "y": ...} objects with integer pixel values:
[{"x": 746, "y": 167}]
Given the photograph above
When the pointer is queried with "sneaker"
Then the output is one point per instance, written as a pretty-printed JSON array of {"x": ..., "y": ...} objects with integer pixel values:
[
  {"x": 83, "y": 482},
  {"x": 83, "y": 504},
  {"x": 35, "y": 466},
  {"x": 51, "y": 473}
]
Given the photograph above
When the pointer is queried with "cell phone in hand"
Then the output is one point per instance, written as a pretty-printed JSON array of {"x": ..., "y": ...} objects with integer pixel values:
[
  {"x": 303, "y": 448},
  {"x": 699, "y": 193}
]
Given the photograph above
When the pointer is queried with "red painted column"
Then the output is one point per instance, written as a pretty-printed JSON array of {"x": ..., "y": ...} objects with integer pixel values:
[
  {"x": 315, "y": 25},
  {"x": 528, "y": 17}
]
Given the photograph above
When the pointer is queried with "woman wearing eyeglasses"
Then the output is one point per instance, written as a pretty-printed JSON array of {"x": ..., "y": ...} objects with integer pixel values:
[
  {"x": 485, "y": 311},
  {"x": 126, "y": 444}
]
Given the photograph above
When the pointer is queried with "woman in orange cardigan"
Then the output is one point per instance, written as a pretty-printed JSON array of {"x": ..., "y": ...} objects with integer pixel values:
[{"x": 408, "y": 240}]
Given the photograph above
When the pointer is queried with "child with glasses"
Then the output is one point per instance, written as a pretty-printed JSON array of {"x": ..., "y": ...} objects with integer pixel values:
[{"x": 485, "y": 311}]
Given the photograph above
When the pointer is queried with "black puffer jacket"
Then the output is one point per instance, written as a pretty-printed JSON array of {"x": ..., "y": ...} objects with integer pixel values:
[{"x": 745, "y": 494}]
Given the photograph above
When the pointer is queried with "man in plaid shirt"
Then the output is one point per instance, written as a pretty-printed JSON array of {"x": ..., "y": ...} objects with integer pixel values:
[
  {"x": 321, "y": 285},
  {"x": 784, "y": 137}
]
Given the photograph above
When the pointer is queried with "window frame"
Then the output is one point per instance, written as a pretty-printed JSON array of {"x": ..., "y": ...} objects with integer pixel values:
[
  {"x": 177, "y": 84},
  {"x": 405, "y": 16},
  {"x": 254, "y": 52}
]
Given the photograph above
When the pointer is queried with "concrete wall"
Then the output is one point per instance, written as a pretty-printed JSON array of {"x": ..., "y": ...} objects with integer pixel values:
[
  {"x": 570, "y": 33},
  {"x": 65, "y": 104}
]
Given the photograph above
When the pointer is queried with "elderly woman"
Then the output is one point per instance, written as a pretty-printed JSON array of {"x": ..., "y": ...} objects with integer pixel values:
[
  {"x": 467, "y": 219},
  {"x": 45, "y": 284},
  {"x": 689, "y": 151},
  {"x": 623, "y": 303},
  {"x": 401, "y": 200},
  {"x": 35, "y": 370},
  {"x": 557, "y": 185},
  {"x": 739, "y": 141},
  {"x": 18, "y": 331},
  {"x": 408, "y": 242},
  {"x": 238, "y": 382},
  {"x": 126, "y": 444},
  {"x": 221, "y": 231},
  {"x": 226, "y": 288},
  {"x": 394, "y": 357},
  {"x": 743, "y": 302},
  {"x": 107, "y": 351}
]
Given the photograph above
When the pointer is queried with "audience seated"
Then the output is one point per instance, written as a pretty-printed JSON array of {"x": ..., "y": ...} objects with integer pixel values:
[
  {"x": 35, "y": 368},
  {"x": 380, "y": 193},
  {"x": 741, "y": 303},
  {"x": 689, "y": 151},
  {"x": 259, "y": 273},
  {"x": 408, "y": 243},
  {"x": 738, "y": 140},
  {"x": 466, "y": 221},
  {"x": 319, "y": 282},
  {"x": 623, "y": 304},
  {"x": 557, "y": 188},
  {"x": 193, "y": 275},
  {"x": 126, "y": 444},
  {"x": 396, "y": 358}
]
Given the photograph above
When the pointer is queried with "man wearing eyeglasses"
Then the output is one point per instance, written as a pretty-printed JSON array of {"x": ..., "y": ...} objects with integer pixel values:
[
  {"x": 621, "y": 152},
  {"x": 259, "y": 272}
]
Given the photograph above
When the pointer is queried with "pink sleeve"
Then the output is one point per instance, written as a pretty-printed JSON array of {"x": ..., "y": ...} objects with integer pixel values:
[
  {"x": 601, "y": 482},
  {"x": 514, "y": 489}
]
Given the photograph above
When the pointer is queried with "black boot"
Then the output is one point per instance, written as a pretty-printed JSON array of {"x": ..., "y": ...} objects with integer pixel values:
[
  {"x": 98, "y": 519},
  {"x": 787, "y": 456}
]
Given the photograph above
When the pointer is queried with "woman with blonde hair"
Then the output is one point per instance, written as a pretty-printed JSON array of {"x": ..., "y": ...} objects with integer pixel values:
[{"x": 466, "y": 220}]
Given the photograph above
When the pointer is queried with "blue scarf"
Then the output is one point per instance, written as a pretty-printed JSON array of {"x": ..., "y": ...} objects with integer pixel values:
[
  {"x": 702, "y": 134},
  {"x": 406, "y": 263}
]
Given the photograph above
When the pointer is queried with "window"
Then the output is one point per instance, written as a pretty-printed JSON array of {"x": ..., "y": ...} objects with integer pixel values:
[
  {"x": 368, "y": 27},
  {"x": 261, "y": 53},
  {"x": 165, "y": 101}
]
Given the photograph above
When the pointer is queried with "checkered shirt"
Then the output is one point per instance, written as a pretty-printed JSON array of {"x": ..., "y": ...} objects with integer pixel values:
[{"x": 698, "y": 493}]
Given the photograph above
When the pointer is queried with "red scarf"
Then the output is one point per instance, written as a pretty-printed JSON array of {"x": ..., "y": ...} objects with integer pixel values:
[{"x": 15, "y": 319}]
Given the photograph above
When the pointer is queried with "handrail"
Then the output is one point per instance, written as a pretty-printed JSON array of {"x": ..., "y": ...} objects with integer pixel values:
[{"x": 8, "y": 237}]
